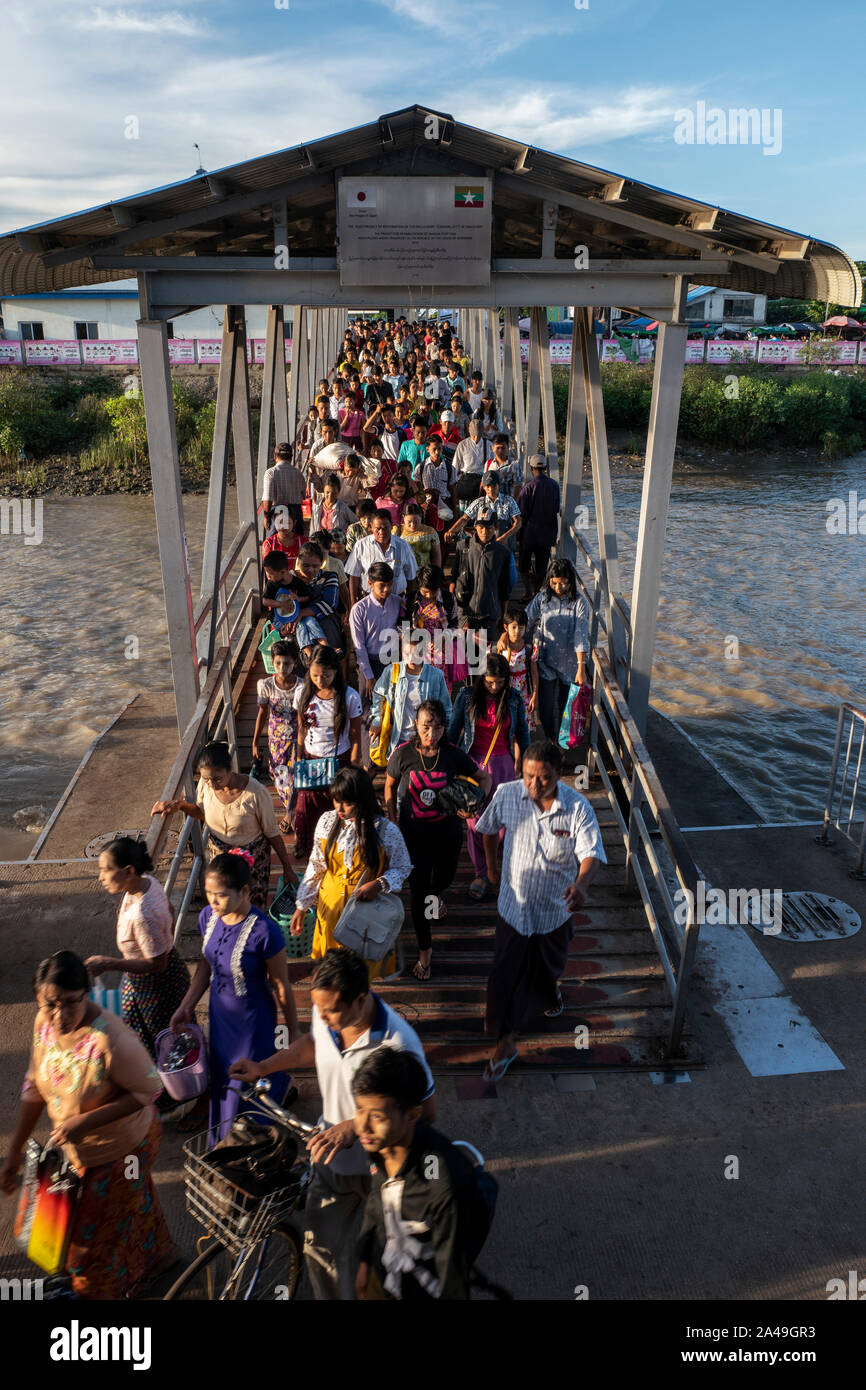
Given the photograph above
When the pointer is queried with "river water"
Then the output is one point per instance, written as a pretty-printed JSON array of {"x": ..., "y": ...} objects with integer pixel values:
[{"x": 748, "y": 557}]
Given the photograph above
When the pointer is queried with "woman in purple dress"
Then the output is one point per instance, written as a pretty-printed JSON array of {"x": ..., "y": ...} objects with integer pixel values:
[{"x": 244, "y": 965}]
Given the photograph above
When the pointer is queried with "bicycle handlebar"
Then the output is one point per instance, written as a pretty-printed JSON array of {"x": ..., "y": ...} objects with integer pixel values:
[{"x": 257, "y": 1093}]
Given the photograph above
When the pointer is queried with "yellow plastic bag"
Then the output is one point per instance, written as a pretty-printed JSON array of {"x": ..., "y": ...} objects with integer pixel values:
[{"x": 379, "y": 750}]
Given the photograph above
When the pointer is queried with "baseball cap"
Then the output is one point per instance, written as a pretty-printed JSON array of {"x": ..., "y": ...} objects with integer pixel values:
[
  {"x": 474, "y": 426},
  {"x": 491, "y": 476},
  {"x": 537, "y": 461},
  {"x": 447, "y": 415}
]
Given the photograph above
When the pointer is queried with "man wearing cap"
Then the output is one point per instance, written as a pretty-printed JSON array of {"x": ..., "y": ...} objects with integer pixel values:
[
  {"x": 283, "y": 486},
  {"x": 539, "y": 506},
  {"x": 505, "y": 509},
  {"x": 484, "y": 578},
  {"x": 448, "y": 432}
]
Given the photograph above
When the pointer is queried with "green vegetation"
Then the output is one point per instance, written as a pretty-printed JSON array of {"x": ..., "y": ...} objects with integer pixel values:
[
  {"x": 740, "y": 406},
  {"x": 100, "y": 431}
]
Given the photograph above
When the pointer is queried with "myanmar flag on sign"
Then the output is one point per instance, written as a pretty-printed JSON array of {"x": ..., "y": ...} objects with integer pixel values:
[
  {"x": 362, "y": 195},
  {"x": 469, "y": 195}
]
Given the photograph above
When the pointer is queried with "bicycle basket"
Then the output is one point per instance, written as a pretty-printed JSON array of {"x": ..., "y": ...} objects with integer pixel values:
[{"x": 240, "y": 1196}]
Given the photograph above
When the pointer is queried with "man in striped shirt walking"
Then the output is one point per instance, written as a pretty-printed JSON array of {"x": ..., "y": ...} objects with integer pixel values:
[{"x": 551, "y": 854}]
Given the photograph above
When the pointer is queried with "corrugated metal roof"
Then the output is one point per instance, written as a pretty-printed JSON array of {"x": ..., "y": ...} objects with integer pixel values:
[{"x": 232, "y": 220}]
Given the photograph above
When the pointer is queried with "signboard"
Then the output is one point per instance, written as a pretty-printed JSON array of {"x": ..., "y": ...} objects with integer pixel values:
[
  {"x": 208, "y": 349},
  {"x": 415, "y": 231},
  {"x": 781, "y": 350},
  {"x": 612, "y": 351},
  {"x": 181, "y": 350},
  {"x": 720, "y": 350},
  {"x": 110, "y": 351},
  {"x": 10, "y": 351},
  {"x": 52, "y": 350},
  {"x": 694, "y": 350}
]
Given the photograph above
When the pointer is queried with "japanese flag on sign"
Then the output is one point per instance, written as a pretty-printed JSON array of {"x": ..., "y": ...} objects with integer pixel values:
[{"x": 361, "y": 195}]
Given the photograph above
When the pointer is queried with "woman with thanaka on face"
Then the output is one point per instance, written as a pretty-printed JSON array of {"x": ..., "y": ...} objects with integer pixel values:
[
  {"x": 99, "y": 1084},
  {"x": 418, "y": 770},
  {"x": 239, "y": 814},
  {"x": 245, "y": 967},
  {"x": 155, "y": 978},
  {"x": 329, "y": 725},
  {"x": 356, "y": 853}
]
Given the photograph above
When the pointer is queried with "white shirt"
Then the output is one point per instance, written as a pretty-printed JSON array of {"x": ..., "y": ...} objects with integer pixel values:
[
  {"x": 410, "y": 708},
  {"x": 319, "y": 742},
  {"x": 470, "y": 457},
  {"x": 541, "y": 854},
  {"x": 399, "y": 556},
  {"x": 335, "y": 1069}
]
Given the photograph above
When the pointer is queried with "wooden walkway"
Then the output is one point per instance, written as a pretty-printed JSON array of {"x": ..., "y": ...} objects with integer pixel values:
[{"x": 613, "y": 988}]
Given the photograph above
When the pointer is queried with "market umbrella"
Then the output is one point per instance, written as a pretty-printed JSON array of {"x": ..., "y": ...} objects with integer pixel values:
[{"x": 842, "y": 321}]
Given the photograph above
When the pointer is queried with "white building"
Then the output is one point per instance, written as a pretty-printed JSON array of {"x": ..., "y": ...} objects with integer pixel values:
[
  {"x": 107, "y": 312},
  {"x": 706, "y": 304}
]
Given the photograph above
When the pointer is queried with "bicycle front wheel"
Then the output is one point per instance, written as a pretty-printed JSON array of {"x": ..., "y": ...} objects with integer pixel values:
[{"x": 271, "y": 1272}]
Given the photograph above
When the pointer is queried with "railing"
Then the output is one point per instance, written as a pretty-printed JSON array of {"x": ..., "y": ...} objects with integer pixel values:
[
  {"x": 214, "y": 715},
  {"x": 844, "y": 784},
  {"x": 596, "y": 599},
  {"x": 635, "y": 794}
]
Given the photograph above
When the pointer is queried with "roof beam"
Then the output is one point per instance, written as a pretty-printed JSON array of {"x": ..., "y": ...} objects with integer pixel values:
[
  {"x": 794, "y": 249},
  {"x": 704, "y": 220},
  {"x": 123, "y": 217},
  {"x": 148, "y": 231},
  {"x": 518, "y": 265},
  {"x": 612, "y": 192},
  {"x": 648, "y": 225},
  {"x": 322, "y": 289}
]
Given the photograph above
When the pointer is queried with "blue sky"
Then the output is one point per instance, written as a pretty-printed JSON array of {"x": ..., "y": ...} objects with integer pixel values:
[{"x": 601, "y": 84}]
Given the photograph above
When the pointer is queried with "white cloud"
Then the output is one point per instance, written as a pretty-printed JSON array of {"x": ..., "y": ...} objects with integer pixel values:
[
  {"x": 554, "y": 118},
  {"x": 483, "y": 32},
  {"x": 126, "y": 21}
]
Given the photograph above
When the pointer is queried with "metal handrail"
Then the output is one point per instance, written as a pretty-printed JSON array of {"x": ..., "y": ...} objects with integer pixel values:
[
  {"x": 629, "y": 788},
  {"x": 594, "y": 599},
  {"x": 180, "y": 779},
  {"x": 203, "y": 607},
  {"x": 837, "y": 793}
]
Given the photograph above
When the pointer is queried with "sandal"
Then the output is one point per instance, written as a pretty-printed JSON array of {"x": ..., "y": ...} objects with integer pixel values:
[
  {"x": 285, "y": 827},
  {"x": 494, "y": 1071},
  {"x": 477, "y": 889},
  {"x": 421, "y": 971},
  {"x": 558, "y": 1007}
]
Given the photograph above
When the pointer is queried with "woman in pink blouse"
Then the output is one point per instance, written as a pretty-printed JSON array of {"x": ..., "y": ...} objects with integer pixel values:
[
  {"x": 155, "y": 978},
  {"x": 99, "y": 1085}
]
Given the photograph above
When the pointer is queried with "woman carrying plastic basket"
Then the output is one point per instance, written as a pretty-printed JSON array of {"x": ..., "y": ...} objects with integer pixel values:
[{"x": 244, "y": 965}]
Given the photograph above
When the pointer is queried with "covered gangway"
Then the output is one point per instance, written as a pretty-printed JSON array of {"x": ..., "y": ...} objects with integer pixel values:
[
  {"x": 273, "y": 231},
  {"x": 415, "y": 209}
]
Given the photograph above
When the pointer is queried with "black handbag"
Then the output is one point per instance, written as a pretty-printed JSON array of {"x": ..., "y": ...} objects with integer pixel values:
[
  {"x": 254, "y": 1159},
  {"x": 463, "y": 794}
]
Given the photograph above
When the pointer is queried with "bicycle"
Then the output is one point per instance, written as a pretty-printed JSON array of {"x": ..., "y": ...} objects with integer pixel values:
[{"x": 256, "y": 1251}]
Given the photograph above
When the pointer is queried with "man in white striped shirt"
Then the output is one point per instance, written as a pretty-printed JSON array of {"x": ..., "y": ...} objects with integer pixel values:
[{"x": 552, "y": 852}]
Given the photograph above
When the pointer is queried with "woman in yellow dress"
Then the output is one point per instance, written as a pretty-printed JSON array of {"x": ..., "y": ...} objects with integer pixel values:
[{"x": 356, "y": 850}]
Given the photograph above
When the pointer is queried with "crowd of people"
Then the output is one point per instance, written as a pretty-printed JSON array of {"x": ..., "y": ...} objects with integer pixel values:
[{"x": 397, "y": 532}]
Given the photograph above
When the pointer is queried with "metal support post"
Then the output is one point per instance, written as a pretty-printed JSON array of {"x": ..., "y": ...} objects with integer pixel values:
[
  {"x": 603, "y": 492},
  {"x": 268, "y": 386},
  {"x": 281, "y": 403},
  {"x": 168, "y": 505},
  {"x": 533, "y": 383},
  {"x": 575, "y": 440},
  {"x": 213, "y": 536},
  {"x": 245, "y": 467},
  {"x": 658, "y": 470}
]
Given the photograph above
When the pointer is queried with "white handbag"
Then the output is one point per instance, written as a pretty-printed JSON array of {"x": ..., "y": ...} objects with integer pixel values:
[{"x": 370, "y": 929}]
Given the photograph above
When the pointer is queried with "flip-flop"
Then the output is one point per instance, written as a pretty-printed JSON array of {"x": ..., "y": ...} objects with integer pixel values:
[
  {"x": 497, "y": 1070},
  {"x": 424, "y": 973},
  {"x": 557, "y": 1010},
  {"x": 477, "y": 889}
]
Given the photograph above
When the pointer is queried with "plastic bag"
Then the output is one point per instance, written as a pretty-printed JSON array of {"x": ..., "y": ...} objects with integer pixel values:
[{"x": 575, "y": 716}]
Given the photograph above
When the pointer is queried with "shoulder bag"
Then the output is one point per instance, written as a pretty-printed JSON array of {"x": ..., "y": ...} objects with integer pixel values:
[
  {"x": 379, "y": 750},
  {"x": 370, "y": 929}
]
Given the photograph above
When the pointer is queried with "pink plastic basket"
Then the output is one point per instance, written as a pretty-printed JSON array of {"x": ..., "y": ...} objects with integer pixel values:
[{"x": 187, "y": 1082}]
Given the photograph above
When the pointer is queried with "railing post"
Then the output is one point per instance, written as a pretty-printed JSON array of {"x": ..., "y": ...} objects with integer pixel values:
[{"x": 633, "y": 794}]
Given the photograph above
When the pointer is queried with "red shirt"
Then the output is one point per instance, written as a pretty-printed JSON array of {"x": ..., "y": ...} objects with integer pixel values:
[
  {"x": 484, "y": 726},
  {"x": 290, "y": 548}
]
